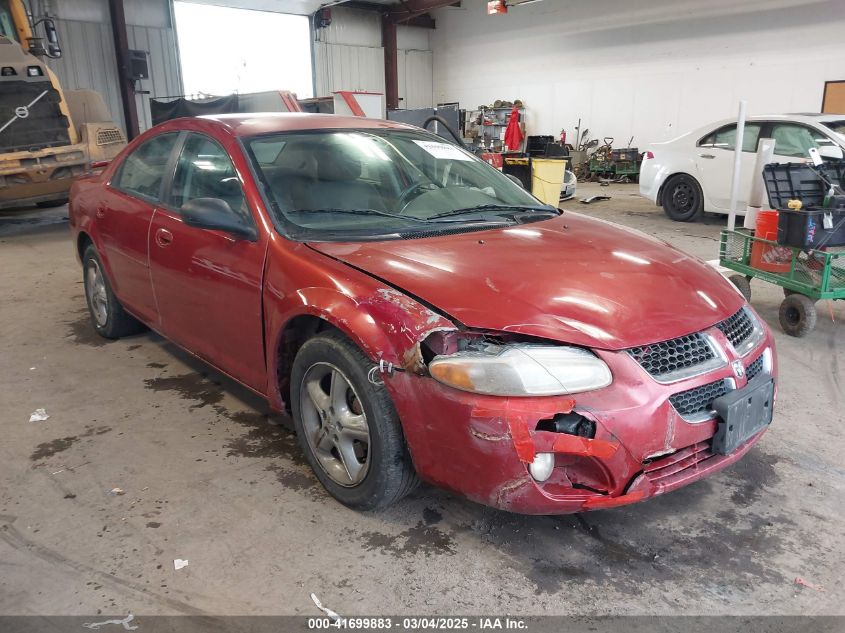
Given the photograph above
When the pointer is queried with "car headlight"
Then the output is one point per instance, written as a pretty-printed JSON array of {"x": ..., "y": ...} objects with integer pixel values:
[{"x": 522, "y": 370}]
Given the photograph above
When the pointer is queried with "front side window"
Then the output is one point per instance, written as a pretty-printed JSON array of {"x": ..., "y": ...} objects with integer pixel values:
[
  {"x": 725, "y": 138},
  {"x": 796, "y": 140},
  {"x": 346, "y": 184},
  {"x": 204, "y": 170},
  {"x": 143, "y": 171}
]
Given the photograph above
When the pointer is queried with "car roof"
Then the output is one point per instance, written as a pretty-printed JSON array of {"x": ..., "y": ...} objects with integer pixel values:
[
  {"x": 256, "y": 123},
  {"x": 801, "y": 118}
]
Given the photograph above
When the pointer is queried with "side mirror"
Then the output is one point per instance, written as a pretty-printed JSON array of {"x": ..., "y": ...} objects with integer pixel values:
[
  {"x": 54, "y": 49},
  {"x": 215, "y": 214},
  {"x": 516, "y": 180},
  {"x": 831, "y": 151}
]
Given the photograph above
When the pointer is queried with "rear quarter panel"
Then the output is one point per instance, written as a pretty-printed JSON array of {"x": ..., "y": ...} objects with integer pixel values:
[
  {"x": 81, "y": 209},
  {"x": 669, "y": 162}
]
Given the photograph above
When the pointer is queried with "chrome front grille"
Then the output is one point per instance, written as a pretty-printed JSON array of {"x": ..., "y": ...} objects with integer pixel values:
[
  {"x": 737, "y": 328},
  {"x": 698, "y": 353},
  {"x": 754, "y": 369},
  {"x": 664, "y": 358},
  {"x": 678, "y": 358},
  {"x": 697, "y": 403}
]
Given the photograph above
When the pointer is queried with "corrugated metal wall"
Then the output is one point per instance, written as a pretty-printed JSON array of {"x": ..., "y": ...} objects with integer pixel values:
[
  {"x": 348, "y": 55},
  {"x": 89, "y": 59},
  {"x": 416, "y": 79}
]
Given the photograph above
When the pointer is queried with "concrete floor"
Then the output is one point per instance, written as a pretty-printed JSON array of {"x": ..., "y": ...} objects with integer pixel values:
[{"x": 208, "y": 479}]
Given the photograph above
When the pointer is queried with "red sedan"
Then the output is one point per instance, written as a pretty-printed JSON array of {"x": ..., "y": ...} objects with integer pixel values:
[{"x": 423, "y": 317}]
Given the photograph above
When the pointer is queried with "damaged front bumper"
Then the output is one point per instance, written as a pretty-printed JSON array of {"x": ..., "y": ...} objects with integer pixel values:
[{"x": 482, "y": 446}]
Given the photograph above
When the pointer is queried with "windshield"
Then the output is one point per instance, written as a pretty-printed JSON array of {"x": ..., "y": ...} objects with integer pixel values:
[
  {"x": 836, "y": 126},
  {"x": 380, "y": 184},
  {"x": 7, "y": 24}
]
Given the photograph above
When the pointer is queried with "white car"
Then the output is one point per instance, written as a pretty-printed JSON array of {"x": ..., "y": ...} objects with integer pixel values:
[
  {"x": 692, "y": 173},
  {"x": 570, "y": 184}
]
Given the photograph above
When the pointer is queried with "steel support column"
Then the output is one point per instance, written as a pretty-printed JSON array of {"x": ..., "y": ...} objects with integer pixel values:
[
  {"x": 409, "y": 10},
  {"x": 127, "y": 85},
  {"x": 391, "y": 62}
]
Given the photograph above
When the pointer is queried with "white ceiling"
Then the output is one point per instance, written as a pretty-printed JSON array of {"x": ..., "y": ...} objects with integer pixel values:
[{"x": 301, "y": 7}]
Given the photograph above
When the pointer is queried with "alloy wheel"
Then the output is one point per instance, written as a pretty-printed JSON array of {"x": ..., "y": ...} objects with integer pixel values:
[
  {"x": 95, "y": 289},
  {"x": 335, "y": 424}
]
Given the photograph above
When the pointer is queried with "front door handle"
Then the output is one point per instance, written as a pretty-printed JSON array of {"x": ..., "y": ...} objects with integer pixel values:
[
  {"x": 164, "y": 238},
  {"x": 707, "y": 155}
]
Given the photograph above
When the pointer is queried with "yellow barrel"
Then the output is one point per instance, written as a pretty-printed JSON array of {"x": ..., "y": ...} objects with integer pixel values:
[{"x": 547, "y": 179}]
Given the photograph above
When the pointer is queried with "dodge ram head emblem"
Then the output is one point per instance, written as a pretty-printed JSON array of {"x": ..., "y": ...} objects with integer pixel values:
[{"x": 739, "y": 370}]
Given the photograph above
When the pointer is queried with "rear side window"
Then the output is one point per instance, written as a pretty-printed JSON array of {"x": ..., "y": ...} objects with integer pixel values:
[
  {"x": 725, "y": 138},
  {"x": 143, "y": 171}
]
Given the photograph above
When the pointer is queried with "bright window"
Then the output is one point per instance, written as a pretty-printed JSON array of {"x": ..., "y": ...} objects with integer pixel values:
[{"x": 226, "y": 50}]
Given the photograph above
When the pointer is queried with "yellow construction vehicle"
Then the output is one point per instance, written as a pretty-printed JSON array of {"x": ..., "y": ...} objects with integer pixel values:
[{"x": 48, "y": 137}]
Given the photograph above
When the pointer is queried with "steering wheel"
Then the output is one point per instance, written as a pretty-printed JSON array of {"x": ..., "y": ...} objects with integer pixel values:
[{"x": 406, "y": 196}]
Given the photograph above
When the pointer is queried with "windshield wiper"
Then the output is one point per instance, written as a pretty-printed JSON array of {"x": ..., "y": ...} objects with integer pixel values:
[
  {"x": 495, "y": 207},
  {"x": 388, "y": 214}
]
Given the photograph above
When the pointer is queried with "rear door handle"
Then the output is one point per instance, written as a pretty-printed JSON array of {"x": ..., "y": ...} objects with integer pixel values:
[
  {"x": 164, "y": 238},
  {"x": 707, "y": 155}
]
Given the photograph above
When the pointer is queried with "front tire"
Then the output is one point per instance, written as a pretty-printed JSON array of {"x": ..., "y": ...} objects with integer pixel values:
[
  {"x": 682, "y": 198},
  {"x": 348, "y": 428},
  {"x": 108, "y": 317}
]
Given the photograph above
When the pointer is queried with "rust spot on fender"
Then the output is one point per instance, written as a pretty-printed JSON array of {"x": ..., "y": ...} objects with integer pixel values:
[
  {"x": 412, "y": 360},
  {"x": 508, "y": 490},
  {"x": 489, "y": 437},
  {"x": 416, "y": 320}
]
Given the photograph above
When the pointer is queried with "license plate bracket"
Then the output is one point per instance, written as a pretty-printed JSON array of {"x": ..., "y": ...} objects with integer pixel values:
[{"x": 743, "y": 413}]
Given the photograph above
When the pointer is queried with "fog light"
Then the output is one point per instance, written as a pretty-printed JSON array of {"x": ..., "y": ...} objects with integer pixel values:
[{"x": 542, "y": 466}]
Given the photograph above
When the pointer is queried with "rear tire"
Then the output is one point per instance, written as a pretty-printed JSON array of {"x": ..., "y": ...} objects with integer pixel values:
[
  {"x": 348, "y": 428},
  {"x": 742, "y": 284},
  {"x": 682, "y": 198},
  {"x": 108, "y": 317},
  {"x": 797, "y": 315}
]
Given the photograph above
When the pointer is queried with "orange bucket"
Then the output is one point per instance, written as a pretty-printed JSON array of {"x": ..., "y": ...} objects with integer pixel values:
[{"x": 775, "y": 259}]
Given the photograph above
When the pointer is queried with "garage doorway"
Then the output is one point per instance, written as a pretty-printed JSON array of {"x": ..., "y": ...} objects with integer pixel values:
[{"x": 225, "y": 50}]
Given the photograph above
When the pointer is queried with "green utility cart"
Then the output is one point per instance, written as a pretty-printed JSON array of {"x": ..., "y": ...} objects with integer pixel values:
[
  {"x": 807, "y": 258},
  {"x": 812, "y": 275}
]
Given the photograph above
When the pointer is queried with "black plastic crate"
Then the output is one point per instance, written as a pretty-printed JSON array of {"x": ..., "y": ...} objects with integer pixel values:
[
  {"x": 519, "y": 167},
  {"x": 801, "y": 181},
  {"x": 536, "y": 145},
  {"x": 805, "y": 229}
]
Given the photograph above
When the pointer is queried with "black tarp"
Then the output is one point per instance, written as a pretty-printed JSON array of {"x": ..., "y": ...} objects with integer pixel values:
[{"x": 165, "y": 109}]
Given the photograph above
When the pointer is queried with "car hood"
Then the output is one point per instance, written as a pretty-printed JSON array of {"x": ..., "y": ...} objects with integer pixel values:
[{"x": 573, "y": 279}]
